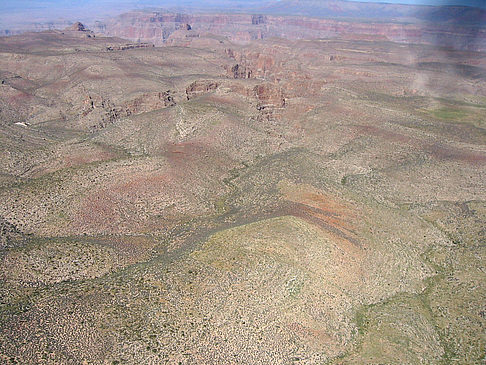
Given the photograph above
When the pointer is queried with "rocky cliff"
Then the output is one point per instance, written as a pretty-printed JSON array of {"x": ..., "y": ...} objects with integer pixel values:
[{"x": 159, "y": 28}]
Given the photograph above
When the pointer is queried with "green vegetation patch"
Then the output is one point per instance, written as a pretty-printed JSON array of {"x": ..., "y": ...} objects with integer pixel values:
[
  {"x": 398, "y": 331},
  {"x": 449, "y": 113},
  {"x": 458, "y": 113}
]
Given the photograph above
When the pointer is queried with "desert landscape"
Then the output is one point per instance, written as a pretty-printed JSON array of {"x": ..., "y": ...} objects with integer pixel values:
[{"x": 245, "y": 188}]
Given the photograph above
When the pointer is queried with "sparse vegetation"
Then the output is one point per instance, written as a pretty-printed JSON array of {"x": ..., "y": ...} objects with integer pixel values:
[{"x": 164, "y": 206}]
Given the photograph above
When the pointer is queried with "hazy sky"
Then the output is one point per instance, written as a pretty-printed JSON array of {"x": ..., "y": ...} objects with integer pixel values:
[
  {"x": 28, "y": 11},
  {"x": 63, "y": 3}
]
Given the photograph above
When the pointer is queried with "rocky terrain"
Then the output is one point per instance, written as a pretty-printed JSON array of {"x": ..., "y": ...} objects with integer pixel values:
[
  {"x": 213, "y": 201},
  {"x": 162, "y": 27}
]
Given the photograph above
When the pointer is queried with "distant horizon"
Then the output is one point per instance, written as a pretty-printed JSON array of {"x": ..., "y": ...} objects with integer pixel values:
[
  {"x": 15, "y": 14},
  {"x": 473, "y": 3},
  {"x": 33, "y": 4}
]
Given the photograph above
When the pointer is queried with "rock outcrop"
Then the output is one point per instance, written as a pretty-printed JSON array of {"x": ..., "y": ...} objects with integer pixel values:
[
  {"x": 124, "y": 47},
  {"x": 239, "y": 72},
  {"x": 99, "y": 112},
  {"x": 200, "y": 87},
  {"x": 269, "y": 96},
  {"x": 78, "y": 27},
  {"x": 270, "y": 102}
]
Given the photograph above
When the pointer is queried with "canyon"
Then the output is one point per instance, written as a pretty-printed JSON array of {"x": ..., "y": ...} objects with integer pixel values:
[
  {"x": 222, "y": 188},
  {"x": 160, "y": 28}
]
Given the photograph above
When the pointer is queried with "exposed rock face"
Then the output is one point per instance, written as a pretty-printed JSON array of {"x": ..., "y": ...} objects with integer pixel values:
[
  {"x": 123, "y": 47},
  {"x": 258, "y": 19},
  {"x": 253, "y": 63},
  {"x": 200, "y": 87},
  {"x": 157, "y": 27},
  {"x": 270, "y": 100},
  {"x": 151, "y": 101},
  {"x": 239, "y": 72},
  {"x": 106, "y": 112},
  {"x": 269, "y": 96}
]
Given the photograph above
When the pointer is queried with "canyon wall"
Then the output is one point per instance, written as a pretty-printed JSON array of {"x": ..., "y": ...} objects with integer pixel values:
[{"x": 161, "y": 28}]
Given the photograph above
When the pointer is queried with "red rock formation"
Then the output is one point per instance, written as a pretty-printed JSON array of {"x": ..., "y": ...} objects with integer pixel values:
[
  {"x": 200, "y": 87},
  {"x": 269, "y": 96},
  {"x": 157, "y": 27}
]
